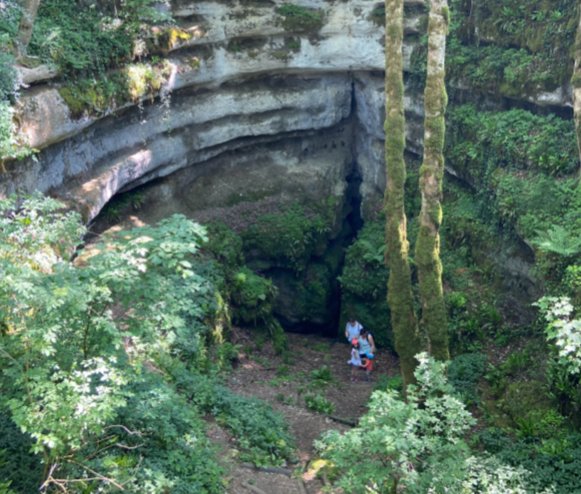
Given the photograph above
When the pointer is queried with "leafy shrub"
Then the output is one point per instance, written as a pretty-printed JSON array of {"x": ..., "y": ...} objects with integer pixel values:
[
  {"x": 286, "y": 239},
  {"x": 321, "y": 377},
  {"x": 253, "y": 297},
  {"x": 481, "y": 141},
  {"x": 298, "y": 19},
  {"x": 225, "y": 246},
  {"x": 88, "y": 351},
  {"x": 511, "y": 158},
  {"x": 99, "y": 39},
  {"x": 384, "y": 382},
  {"x": 11, "y": 12},
  {"x": 415, "y": 445},
  {"x": 549, "y": 465},
  {"x": 173, "y": 452},
  {"x": 8, "y": 83},
  {"x": 261, "y": 433},
  {"x": 530, "y": 42},
  {"x": 318, "y": 403},
  {"x": 18, "y": 465},
  {"x": 252, "y": 301},
  {"x": 464, "y": 373},
  {"x": 563, "y": 330},
  {"x": 11, "y": 146}
]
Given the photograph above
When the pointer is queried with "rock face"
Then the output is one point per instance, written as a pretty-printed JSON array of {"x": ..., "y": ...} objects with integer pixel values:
[
  {"x": 254, "y": 81},
  {"x": 256, "y": 110},
  {"x": 245, "y": 78}
]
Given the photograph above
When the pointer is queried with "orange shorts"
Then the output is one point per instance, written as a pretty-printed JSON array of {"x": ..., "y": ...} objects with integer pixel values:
[{"x": 367, "y": 364}]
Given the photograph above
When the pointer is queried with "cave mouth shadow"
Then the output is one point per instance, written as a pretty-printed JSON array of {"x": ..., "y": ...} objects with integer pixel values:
[{"x": 352, "y": 224}]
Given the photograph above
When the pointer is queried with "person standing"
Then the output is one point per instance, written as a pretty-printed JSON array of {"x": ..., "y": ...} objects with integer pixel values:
[
  {"x": 355, "y": 360},
  {"x": 366, "y": 344},
  {"x": 352, "y": 329},
  {"x": 366, "y": 350}
]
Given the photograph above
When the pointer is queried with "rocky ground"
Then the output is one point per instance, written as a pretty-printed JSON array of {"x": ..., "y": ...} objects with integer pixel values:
[{"x": 313, "y": 366}]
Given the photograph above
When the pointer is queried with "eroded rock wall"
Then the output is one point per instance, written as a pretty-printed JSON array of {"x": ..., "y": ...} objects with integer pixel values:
[{"x": 242, "y": 77}]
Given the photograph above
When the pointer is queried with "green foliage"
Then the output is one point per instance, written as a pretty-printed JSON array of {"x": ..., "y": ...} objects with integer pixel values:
[
  {"x": 321, "y": 377},
  {"x": 87, "y": 351},
  {"x": 11, "y": 12},
  {"x": 417, "y": 447},
  {"x": 414, "y": 445},
  {"x": 253, "y": 297},
  {"x": 527, "y": 44},
  {"x": 260, "y": 432},
  {"x": 97, "y": 96},
  {"x": 287, "y": 239},
  {"x": 478, "y": 142},
  {"x": 377, "y": 15},
  {"x": 252, "y": 302},
  {"x": 489, "y": 475},
  {"x": 318, "y": 403},
  {"x": 464, "y": 373},
  {"x": 120, "y": 204},
  {"x": 8, "y": 85},
  {"x": 523, "y": 402},
  {"x": 314, "y": 290},
  {"x": 11, "y": 146},
  {"x": 551, "y": 464},
  {"x": 558, "y": 240},
  {"x": 173, "y": 450},
  {"x": 225, "y": 246},
  {"x": 298, "y": 19},
  {"x": 510, "y": 158},
  {"x": 101, "y": 37},
  {"x": 364, "y": 282},
  {"x": 563, "y": 329},
  {"x": 17, "y": 463}
]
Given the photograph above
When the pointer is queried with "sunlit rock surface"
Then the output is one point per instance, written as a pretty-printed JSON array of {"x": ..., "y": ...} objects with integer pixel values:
[{"x": 241, "y": 83}]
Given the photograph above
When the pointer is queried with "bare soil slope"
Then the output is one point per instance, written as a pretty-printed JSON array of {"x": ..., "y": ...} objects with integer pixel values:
[{"x": 314, "y": 366}]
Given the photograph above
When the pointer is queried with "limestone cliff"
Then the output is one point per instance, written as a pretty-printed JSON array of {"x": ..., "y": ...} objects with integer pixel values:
[
  {"x": 254, "y": 110},
  {"x": 245, "y": 79}
]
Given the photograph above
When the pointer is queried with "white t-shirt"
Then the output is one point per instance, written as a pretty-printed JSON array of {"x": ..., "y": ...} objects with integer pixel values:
[
  {"x": 353, "y": 330},
  {"x": 355, "y": 358}
]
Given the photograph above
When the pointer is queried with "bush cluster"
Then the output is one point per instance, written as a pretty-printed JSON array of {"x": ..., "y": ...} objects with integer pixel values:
[
  {"x": 91, "y": 354},
  {"x": 298, "y": 19}
]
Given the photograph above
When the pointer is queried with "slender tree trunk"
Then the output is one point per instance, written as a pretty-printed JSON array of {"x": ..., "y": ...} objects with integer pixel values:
[
  {"x": 433, "y": 320},
  {"x": 399, "y": 288},
  {"x": 29, "y": 11},
  {"x": 576, "y": 83}
]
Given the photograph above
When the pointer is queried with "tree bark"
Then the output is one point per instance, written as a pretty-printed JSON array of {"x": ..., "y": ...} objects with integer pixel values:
[
  {"x": 427, "y": 253},
  {"x": 29, "y": 11},
  {"x": 576, "y": 84},
  {"x": 399, "y": 288}
]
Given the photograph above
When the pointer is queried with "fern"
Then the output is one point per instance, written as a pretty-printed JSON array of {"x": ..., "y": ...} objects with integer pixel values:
[{"x": 558, "y": 240}]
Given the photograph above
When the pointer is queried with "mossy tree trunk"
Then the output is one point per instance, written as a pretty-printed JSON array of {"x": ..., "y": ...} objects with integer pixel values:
[
  {"x": 427, "y": 254},
  {"x": 29, "y": 11},
  {"x": 399, "y": 288},
  {"x": 576, "y": 83}
]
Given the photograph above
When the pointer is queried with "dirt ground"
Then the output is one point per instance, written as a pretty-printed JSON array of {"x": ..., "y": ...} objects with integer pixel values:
[{"x": 313, "y": 366}]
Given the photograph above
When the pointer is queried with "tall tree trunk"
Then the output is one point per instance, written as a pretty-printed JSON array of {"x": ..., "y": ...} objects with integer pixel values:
[
  {"x": 433, "y": 319},
  {"x": 399, "y": 288},
  {"x": 576, "y": 83},
  {"x": 29, "y": 11}
]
